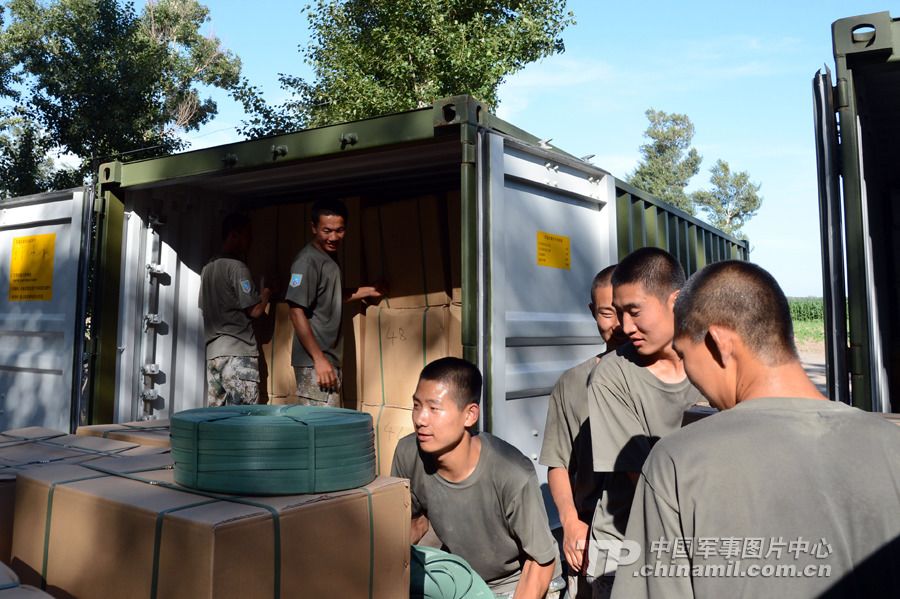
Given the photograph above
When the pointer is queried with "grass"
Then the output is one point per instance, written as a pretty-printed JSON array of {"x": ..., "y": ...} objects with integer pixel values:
[{"x": 807, "y": 332}]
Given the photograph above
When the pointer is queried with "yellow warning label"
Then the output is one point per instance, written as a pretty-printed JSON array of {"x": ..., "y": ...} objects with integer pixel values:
[
  {"x": 553, "y": 250},
  {"x": 31, "y": 268}
]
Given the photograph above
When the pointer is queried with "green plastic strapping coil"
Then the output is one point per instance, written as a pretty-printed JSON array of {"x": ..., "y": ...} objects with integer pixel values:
[
  {"x": 435, "y": 574},
  {"x": 273, "y": 450}
]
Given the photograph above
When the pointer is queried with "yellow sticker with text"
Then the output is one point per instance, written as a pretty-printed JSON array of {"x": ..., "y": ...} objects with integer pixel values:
[
  {"x": 31, "y": 268},
  {"x": 553, "y": 250}
]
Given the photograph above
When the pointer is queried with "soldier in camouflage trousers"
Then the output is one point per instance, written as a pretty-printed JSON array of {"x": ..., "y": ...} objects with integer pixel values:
[
  {"x": 232, "y": 380},
  {"x": 230, "y": 302}
]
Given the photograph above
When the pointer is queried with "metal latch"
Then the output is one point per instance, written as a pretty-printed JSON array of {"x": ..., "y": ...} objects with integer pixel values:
[
  {"x": 150, "y": 369},
  {"x": 152, "y": 320},
  {"x": 156, "y": 269},
  {"x": 149, "y": 395}
]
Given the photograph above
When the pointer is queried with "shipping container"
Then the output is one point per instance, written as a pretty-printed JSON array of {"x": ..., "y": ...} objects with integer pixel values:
[
  {"x": 487, "y": 236},
  {"x": 857, "y": 124}
]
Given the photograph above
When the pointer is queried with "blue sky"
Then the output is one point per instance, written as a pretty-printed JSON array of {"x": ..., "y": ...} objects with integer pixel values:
[{"x": 740, "y": 70}]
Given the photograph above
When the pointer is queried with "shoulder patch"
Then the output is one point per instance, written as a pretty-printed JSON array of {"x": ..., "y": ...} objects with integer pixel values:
[
  {"x": 246, "y": 286},
  {"x": 295, "y": 279}
]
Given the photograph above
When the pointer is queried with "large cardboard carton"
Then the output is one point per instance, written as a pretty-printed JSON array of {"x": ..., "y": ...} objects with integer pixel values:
[
  {"x": 406, "y": 246},
  {"x": 112, "y": 536},
  {"x": 391, "y": 425},
  {"x": 359, "y": 340},
  {"x": 279, "y": 382},
  {"x": 25, "y": 449},
  {"x": 145, "y": 432},
  {"x": 398, "y": 343}
]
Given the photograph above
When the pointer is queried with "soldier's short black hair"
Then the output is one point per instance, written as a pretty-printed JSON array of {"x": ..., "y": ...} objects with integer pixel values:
[
  {"x": 602, "y": 279},
  {"x": 656, "y": 270},
  {"x": 461, "y": 376},
  {"x": 742, "y": 297},
  {"x": 328, "y": 207},
  {"x": 235, "y": 222}
]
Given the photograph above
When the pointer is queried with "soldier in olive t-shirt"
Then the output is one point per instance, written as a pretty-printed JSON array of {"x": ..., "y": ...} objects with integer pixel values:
[
  {"x": 782, "y": 494},
  {"x": 630, "y": 409},
  {"x": 492, "y": 519},
  {"x": 229, "y": 302}
]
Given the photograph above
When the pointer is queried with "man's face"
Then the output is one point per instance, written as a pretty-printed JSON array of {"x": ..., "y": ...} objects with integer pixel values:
[
  {"x": 704, "y": 371},
  {"x": 439, "y": 423},
  {"x": 329, "y": 232},
  {"x": 605, "y": 314},
  {"x": 647, "y": 320}
]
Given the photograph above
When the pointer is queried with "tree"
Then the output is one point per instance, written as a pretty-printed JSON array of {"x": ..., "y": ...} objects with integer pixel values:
[
  {"x": 669, "y": 162},
  {"x": 103, "y": 81},
  {"x": 732, "y": 201},
  {"x": 373, "y": 57}
]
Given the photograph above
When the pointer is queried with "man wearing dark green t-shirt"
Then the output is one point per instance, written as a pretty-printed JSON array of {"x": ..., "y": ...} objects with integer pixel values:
[
  {"x": 315, "y": 295},
  {"x": 784, "y": 493},
  {"x": 566, "y": 450},
  {"x": 637, "y": 395},
  {"x": 229, "y": 301},
  {"x": 480, "y": 494}
]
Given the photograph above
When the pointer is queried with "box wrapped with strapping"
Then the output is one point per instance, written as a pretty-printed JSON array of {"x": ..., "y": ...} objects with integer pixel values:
[
  {"x": 146, "y": 432},
  {"x": 35, "y": 447},
  {"x": 122, "y": 528}
]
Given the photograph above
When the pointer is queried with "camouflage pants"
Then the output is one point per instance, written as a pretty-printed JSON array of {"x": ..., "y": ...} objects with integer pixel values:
[
  {"x": 309, "y": 393},
  {"x": 232, "y": 380}
]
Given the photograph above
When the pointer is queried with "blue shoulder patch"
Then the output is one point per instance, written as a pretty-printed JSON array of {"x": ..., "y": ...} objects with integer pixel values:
[
  {"x": 246, "y": 286},
  {"x": 295, "y": 279}
]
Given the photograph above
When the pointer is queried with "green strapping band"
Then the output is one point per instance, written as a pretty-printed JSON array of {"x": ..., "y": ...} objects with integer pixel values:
[
  {"x": 157, "y": 541},
  {"x": 273, "y": 450}
]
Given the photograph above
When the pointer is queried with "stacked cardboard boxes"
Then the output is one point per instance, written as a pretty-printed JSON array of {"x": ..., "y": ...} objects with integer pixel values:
[
  {"x": 122, "y": 528},
  {"x": 26, "y": 449}
]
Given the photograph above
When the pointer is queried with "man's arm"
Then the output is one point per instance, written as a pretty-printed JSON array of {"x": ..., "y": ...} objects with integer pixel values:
[
  {"x": 374, "y": 292},
  {"x": 325, "y": 374},
  {"x": 417, "y": 529},
  {"x": 575, "y": 532},
  {"x": 259, "y": 309},
  {"x": 535, "y": 580}
]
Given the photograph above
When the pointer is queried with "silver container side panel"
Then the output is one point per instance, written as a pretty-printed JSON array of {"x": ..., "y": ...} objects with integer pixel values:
[
  {"x": 40, "y": 246},
  {"x": 539, "y": 320},
  {"x": 171, "y": 233}
]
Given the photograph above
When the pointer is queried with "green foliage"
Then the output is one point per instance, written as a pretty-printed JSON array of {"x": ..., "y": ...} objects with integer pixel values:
[
  {"x": 669, "y": 162},
  {"x": 807, "y": 309},
  {"x": 373, "y": 57},
  {"x": 732, "y": 201},
  {"x": 100, "y": 81}
]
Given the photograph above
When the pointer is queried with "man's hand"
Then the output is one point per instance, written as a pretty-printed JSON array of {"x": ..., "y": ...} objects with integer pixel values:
[
  {"x": 575, "y": 544},
  {"x": 375, "y": 292},
  {"x": 325, "y": 375}
]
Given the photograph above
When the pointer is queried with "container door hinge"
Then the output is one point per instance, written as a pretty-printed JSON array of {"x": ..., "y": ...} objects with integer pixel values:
[
  {"x": 150, "y": 369},
  {"x": 149, "y": 395},
  {"x": 152, "y": 320}
]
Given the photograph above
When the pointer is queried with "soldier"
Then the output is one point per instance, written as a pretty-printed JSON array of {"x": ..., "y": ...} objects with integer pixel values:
[
  {"x": 566, "y": 450},
  {"x": 637, "y": 395},
  {"x": 480, "y": 494},
  {"x": 229, "y": 301},
  {"x": 316, "y": 297},
  {"x": 784, "y": 494}
]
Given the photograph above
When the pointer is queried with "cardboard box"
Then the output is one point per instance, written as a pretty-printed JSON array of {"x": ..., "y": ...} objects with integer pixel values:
[
  {"x": 359, "y": 340},
  {"x": 406, "y": 246},
  {"x": 103, "y": 539},
  {"x": 398, "y": 344},
  {"x": 391, "y": 425},
  {"x": 25, "y": 449},
  {"x": 154, "y": 433},
  {"x": 279, "y": 380}
]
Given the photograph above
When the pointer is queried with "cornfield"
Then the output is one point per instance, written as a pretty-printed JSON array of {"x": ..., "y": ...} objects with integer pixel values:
[{"x": 807, "y": 309}]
